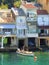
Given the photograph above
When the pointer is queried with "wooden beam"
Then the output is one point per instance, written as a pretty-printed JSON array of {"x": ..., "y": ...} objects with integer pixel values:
[{"x": 39, "y": 43}]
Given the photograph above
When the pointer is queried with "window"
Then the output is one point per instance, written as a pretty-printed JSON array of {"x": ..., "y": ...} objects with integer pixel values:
[
  {"x": 27, "y": 14},
  {"x": 7, "y": 30},
  {"x": 32, "y": 29},
  {"x": 21, "y": 32},
  {"x": 44, "y": 31}
]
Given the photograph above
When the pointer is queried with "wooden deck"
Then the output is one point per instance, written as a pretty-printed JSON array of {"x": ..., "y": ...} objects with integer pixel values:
[{"x": 8, "y": 49}]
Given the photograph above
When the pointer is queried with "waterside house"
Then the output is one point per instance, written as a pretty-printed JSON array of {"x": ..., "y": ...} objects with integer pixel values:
[
  {"x": 31, "y": 19},
  {"x": 21, "y": 27},
  {"x": 27, "y": 26},
  {"x": 7, "y": 28},
  {"x": 43, "y": 27}
]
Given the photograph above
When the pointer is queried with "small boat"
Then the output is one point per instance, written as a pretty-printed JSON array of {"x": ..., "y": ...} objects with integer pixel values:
[{"x": 25, "y": 54}]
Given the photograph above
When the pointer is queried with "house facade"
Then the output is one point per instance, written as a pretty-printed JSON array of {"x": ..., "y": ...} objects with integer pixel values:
[
  {"x": 24, "y": 27},
  {"x": 21, "y": 27},
  {"x": 31, "y": 19},
  {"x": 43, "y": 27},
  {"x": 7, "y": 28}
]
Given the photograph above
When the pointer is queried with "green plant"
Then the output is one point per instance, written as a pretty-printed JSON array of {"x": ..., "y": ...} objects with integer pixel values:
[
  {"x": 4, "y": 6},
  {"x": 17, "y": 3}
]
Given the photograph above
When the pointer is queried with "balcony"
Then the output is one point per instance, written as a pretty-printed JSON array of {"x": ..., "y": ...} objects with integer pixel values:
[
  {"x": 43, "y": 34},
  {"x": 21, "y": 36},
  {"x": 32, "y": 34},
  {"x": 7, "y": 33},
  {"x": 29, "y": 19}
]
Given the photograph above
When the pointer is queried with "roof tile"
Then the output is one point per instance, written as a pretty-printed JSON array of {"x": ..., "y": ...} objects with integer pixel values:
[{"x": 28, "y": 5}]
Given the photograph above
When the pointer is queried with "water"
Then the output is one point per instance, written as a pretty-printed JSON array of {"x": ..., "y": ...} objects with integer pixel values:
[{"x": 15, "y": 59}]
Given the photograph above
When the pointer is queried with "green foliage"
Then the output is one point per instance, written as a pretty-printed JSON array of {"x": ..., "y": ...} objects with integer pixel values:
[
  {"x": 5, "y": 41},
  {"x": 4, "y": 6},
  {"x": 17, "y": 3}
]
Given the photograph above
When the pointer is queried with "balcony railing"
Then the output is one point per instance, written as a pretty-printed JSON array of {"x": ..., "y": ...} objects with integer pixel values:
[
  {"x": 43, "y": 34},
  {"x": 21, "y": 36},
  {"x": 31, "y": 19},
  {"x": 7, "y": 33},
  {"x": 32, "y": 31}
]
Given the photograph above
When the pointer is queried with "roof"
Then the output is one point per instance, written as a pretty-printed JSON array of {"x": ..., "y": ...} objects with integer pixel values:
[
  {"x": 6, "y": 17},
  {"x": 42, "y": 12},
  {"x": 29, "y": 6},
  {"x": 37, "y": 5},
  {"x": 18, "y": 11}
]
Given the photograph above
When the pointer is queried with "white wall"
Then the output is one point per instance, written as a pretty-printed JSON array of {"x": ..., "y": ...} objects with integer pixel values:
[
  {"x": 32, "y": 35},
  {"x": 13, "y": 41},
  {"x": 20, "y": 22},
  {"x": 43, "y": 20}
]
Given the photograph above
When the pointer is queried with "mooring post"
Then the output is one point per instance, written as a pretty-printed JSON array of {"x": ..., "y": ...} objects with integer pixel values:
[{"x": 2, "y": 43}]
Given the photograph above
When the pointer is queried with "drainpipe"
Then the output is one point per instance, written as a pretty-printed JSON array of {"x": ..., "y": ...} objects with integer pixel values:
[{"x": 2, "y": 43}]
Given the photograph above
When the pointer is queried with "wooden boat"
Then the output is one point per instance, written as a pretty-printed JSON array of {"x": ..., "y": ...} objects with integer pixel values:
[{"x": 25, "y": 53}]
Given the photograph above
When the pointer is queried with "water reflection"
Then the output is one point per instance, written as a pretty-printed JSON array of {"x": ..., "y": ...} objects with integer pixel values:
[
  {"x": 2, "y": 59},
  {"x": 15, "y": 59}
]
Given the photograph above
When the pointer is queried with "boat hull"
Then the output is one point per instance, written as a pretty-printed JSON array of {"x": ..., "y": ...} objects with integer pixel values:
[{"x": 25, "y": 54}]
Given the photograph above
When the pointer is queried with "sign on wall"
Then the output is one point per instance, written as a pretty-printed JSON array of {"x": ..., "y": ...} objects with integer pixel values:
[
  {"x": 21, "y": 22},
  {"x": 43, "y": 20}
]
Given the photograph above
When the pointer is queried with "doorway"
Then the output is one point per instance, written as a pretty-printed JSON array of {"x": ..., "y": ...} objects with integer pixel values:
[
  {"x": 21, "y": 44},
  {"x": 31, "y": 41},
  {"x": 42, "y": 42},
  {"x": 31, "y": 44},
  {"x": 8, "y": 41}
]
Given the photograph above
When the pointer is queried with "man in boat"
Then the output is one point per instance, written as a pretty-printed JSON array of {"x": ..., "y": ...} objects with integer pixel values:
[{"x": 25, "y": 50}]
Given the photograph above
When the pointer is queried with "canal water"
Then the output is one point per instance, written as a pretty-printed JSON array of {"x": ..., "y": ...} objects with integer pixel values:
[{"x": 42, "y": 58}]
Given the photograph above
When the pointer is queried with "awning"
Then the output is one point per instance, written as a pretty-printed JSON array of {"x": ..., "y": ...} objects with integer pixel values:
[{"x": 7, "y": 26}]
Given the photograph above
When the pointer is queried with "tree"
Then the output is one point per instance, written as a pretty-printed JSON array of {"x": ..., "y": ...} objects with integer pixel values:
[
  {"x": 4, "y": 6},
  {"x": 17, "y": 4},
  {"x": 0, "y": 2}
]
